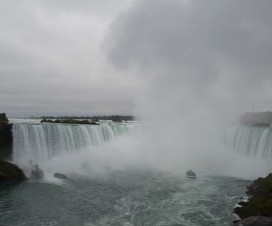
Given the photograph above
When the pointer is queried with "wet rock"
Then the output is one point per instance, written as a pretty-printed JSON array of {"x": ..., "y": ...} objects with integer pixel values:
[
  {"x": 260, "y": 200},
  {"x": 36, "y": 172},
  {"x": 236, "y": 218},
  {"x": 10, "y": 172},
  {"x": 255, "y": 221}
]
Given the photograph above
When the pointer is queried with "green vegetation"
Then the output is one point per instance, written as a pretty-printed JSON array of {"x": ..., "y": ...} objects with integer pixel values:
[
  {"x": 116, "y": 118},
  {"x": 69, "y": 121},
  {"x": 85, "y": 119},
  {"x": 260, "y": 203},
  {"x": 3, "y": 117}
]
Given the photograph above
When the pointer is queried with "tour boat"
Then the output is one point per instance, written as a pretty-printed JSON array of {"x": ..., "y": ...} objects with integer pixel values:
[{"x": 190, "y": 174}]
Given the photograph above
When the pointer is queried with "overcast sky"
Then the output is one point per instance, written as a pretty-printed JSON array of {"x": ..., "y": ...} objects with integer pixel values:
[
  {"x": 89, "y": 57},
  {"x": 52, "y": 62}
]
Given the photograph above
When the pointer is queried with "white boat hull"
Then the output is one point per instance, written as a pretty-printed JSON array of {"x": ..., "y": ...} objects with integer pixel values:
[{"x": 190, "y": 176}]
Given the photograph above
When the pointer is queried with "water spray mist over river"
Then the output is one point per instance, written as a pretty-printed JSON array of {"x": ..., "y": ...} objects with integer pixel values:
[
  {"x": 112, "y": 182},
  {"x": 200, "y": 64}
]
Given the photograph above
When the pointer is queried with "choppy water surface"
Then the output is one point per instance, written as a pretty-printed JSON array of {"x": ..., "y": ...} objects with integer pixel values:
[{"x": 122, "y": 198}]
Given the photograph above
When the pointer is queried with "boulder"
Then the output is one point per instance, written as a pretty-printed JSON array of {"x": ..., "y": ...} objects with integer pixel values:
[
  {"x": 10, "y": 172},
  {"x": 256, "y": 221},
  {"x": 60, "y": 176}
]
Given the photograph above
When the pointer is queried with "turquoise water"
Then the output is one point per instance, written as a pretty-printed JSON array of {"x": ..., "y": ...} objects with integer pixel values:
[{"x": 127, "y": 197}]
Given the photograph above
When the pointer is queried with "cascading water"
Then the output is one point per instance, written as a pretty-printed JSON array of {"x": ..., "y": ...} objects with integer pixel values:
[
  {"x": 98, "y": 191},
  {"x": 41, "y": 142},
  {"x": 252, "y": 141}
]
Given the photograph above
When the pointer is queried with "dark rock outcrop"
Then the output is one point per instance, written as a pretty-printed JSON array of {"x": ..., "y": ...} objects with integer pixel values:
[
  {"x": 260, "y": 201},
  {"x": 5, "y": 141},
  {"x": 10, "y": 172},
  {"x": 255, "y": 221}
]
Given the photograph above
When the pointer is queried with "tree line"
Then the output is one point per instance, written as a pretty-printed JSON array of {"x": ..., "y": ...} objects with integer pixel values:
[{"x": 116, "y": 118}]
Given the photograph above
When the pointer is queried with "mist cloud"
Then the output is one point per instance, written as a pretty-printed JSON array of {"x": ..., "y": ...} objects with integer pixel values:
[
  {"x": 203, "y": 62},
  {"x": 211, "y": 52}
]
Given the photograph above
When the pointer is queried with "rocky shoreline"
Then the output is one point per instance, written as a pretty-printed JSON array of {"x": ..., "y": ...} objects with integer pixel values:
[{"x": 257, "y": 211}]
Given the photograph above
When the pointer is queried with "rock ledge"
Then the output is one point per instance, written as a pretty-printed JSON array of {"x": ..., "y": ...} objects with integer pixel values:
[{"x": 9, "y": 172}]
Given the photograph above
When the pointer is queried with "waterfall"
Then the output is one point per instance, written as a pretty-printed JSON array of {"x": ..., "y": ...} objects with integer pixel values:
[
  {"x": 41, "y": 142},
  {"x": 253, "y": 141}
]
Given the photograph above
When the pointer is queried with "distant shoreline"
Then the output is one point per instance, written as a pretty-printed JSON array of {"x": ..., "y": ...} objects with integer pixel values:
[
  {"x": 92, "y": 118},
  {"x": 256, "y": 118}
]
